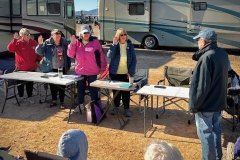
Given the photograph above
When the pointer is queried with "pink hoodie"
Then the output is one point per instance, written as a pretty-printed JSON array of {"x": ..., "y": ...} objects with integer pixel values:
[{"x": 85, "y": 63}]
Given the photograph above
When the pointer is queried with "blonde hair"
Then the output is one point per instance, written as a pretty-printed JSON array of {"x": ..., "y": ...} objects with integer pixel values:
[
  {"x": 23, "y": 31},
  {"x": 119, "y": 32},
  {"x": 160, "y": 150}
]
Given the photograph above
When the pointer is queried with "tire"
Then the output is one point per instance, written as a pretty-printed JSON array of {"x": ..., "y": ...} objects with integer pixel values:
[{"x": 150, "y": 42}]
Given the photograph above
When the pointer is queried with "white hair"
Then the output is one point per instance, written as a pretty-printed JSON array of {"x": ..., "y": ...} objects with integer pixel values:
[
  {"x": 160, "y": 150},
  {"x": 23, "y": 31}
]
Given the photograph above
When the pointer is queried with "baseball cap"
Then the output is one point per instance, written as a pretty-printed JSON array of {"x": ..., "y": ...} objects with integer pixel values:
[
  {"x": 54, "y": 31},
  {"x": 207, "y": 34},
  {"x": 84, "y": 29}
]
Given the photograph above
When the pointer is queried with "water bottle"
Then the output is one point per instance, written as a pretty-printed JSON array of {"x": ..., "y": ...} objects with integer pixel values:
[{"x": 60, "y": 72}]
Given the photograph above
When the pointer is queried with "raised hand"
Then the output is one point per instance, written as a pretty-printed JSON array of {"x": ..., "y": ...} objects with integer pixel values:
[
  {"x": 115, "y": 40},
  {"x": 73, "y": 39},
  {"x": 40, "y": 39},
  {"x": 16, "y": 35}
]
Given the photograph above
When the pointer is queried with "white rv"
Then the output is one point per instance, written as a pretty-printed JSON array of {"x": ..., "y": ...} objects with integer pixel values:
[
  {"x": 153, "y": 23},
  {"x": 39, "y": 16}
]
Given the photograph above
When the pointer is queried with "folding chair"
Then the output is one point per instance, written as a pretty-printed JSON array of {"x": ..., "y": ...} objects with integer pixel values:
[
  {"x": 233, "y": 99},
  {"x": 30, "y": 155},
  {"x": 140, "y": 79},
  {"x": 179, "y": 77},
  {"x": 9, "y": 89}
]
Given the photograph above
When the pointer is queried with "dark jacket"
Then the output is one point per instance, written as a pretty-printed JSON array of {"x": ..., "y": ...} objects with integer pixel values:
[
  {"x": 208, "y": 88},
  {"x": 114, "y": 54},
  {"x": 46, "y": 50}
]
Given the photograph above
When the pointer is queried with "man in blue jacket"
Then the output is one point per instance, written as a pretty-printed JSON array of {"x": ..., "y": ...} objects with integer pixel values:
[{"x": 208, "y": 92}]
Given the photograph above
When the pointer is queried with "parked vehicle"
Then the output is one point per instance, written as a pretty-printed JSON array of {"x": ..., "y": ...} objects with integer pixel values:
[
  {"x": 153, "y": 23},
  {"x": 40, "y": 17}
]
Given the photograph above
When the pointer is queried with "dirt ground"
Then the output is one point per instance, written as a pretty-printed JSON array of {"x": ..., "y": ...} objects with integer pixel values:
[{"x": 38, "y": 127}]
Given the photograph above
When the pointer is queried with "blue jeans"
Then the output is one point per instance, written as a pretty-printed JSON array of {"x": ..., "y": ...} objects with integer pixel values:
[
  {"x": 209, "y": 132},
  {"x": 82, "y": 86}
]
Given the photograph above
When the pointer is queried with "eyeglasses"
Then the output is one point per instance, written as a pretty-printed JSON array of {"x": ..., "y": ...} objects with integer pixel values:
[
  {"x": 123, "y": 35},
  {"x": 86, "y": 33}
]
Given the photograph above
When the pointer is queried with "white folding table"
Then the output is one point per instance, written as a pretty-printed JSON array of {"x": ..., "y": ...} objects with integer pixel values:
[
  {"x": 113, "y": 85},
  {"x": 164, "y": 91},
  {"x": 39, "y": 77}
]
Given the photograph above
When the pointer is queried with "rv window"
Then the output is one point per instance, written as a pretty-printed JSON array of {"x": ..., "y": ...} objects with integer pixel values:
[
  {"x": 136, "y": 9},
  {"x": 42, "y": 7},
  {"x": 69, "y": 10},
  {"x": 16, "y": 7},
  {"x": 199, "y": 6},
  {"x": 54, "y": 8},
  {"x": 32, "y": 7}
]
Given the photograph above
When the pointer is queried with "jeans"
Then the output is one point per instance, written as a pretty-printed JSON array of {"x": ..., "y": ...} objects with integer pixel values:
[
  {"x": 209, "y": 132},
  {"x": 82, "y": 86}
]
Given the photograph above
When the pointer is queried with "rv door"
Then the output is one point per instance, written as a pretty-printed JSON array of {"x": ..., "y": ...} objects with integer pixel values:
[
  {"x": 196, "y": 15},
  {"x": 132, "y": 15}
]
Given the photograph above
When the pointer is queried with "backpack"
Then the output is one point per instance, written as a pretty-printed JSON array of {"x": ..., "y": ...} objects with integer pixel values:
[{"x": 94, "y": 111}]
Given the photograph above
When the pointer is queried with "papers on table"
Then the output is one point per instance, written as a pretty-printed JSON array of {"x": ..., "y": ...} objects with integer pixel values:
[
  {"x": 73, "y": 77},
  {"x": 51, "y": 74},
  {"x": 120, "y": 84}
]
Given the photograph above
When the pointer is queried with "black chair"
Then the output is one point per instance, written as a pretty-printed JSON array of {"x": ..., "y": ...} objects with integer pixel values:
[
  {"x": 31, "y": 155},
  {"x": 9, "y": 87},
  {"x": 179, "y": 77},
  {"x": 140, "y": 79}
]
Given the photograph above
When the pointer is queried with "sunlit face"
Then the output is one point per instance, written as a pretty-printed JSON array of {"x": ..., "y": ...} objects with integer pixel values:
[
  {"x": 201, "y": 43},
  {"x": 85, "y": 36},
  {"x": 122, "y": 37},
  {"x": 26, "y": 36},
  {"x": 56, "y": 37}
]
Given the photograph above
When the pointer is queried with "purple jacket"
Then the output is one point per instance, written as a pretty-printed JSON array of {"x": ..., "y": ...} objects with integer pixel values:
[{"x": 86, "y": 63}]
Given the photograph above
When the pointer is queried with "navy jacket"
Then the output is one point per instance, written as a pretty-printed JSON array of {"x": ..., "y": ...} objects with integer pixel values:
[
  {"x": 114, "y": 55},
  {"x": 46, "y": 50},
  {"x": 208, "y": 88}
]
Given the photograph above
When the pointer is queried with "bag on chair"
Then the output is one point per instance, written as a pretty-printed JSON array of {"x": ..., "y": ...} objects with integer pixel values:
[{"x": 94, "y": 111}]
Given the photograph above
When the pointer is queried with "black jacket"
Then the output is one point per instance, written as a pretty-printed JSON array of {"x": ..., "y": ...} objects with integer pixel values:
[{"x": 208, "y": 88}]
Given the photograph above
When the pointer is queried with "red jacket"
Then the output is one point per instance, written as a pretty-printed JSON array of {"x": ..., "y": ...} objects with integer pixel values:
[{"x": 25, "y": 56}]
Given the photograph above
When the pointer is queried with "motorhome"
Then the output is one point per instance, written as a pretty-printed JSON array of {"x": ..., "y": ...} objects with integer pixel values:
[
  {"x": 39, "y": 16},
  {"x": 172, "y": 23}
]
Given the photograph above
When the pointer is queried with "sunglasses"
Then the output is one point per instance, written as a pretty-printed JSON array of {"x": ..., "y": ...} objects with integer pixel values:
[
  {"x": 86, "y": 33},
  {"x": 123, "y": 34}
]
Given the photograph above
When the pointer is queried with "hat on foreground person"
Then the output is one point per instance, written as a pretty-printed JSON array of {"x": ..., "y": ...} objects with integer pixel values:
[{"x": 73, "y": 144}]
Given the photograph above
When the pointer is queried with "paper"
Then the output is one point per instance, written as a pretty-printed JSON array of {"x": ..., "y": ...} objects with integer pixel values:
[
  {"x": 51, "y": 74},
  {"x": 73, "y": 77},
  {"x": 125, "y": 85}
]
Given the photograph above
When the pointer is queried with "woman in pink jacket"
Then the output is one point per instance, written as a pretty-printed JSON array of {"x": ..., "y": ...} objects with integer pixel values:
[{"x": 90, "y": 61}]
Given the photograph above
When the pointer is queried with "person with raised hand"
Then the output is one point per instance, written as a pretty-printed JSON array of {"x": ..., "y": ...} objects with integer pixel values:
[
  {"x": 90, "y": 61},
  {"x": 25, "y": 59},
  {"x": 54, "y": 52}
]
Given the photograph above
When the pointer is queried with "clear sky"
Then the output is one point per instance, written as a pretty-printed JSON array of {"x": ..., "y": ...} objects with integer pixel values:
[{"x": 85, "y": 5}]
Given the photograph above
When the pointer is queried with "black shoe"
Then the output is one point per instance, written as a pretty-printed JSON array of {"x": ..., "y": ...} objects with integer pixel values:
[{"x": 53, "y": 104}]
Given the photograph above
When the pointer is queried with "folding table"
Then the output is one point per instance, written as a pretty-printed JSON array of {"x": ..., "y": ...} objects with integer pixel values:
[
  {"x": 113, "y": 85},
  {"x": 39, "y": 77},
  {"x": 164, "y": 91}
]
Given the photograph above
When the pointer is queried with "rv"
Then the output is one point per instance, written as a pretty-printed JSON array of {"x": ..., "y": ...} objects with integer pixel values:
[
  {"x": 172, "y": 23},
  {"x": 39, "y": 16}
]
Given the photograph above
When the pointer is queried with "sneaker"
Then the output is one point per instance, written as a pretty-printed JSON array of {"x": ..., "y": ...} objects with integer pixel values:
[
  {"x": 77, "y": 109},
  {"x": 127, "y": 113},
  {"x": 20, "y": 100},
  {"x": 53, "y": 104},
  {"x": 115, "y": 111},
  {"x": 62, "y": 105},
  {"x": 31, "y": 100}
]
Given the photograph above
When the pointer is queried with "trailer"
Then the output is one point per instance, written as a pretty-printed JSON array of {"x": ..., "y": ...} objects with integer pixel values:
[
  {"x": 171, "y": 23},
  {"x": 39, "y": 16}
]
